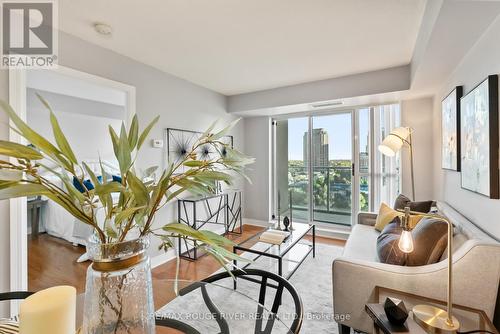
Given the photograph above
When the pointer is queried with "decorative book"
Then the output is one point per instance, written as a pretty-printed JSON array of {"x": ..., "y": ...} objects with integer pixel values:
[{"x": 274, "y": 237}]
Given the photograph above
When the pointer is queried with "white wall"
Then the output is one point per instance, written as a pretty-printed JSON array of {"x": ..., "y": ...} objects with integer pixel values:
[
  {"x": 418, "y": 115},
  {"x": 481, "y": 61},
  {"x": 180, "y": 103},
  {"x": 88, "y": 135}
]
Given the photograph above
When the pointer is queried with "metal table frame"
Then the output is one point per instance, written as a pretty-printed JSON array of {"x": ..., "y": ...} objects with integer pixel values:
[
  {"x": 228, "y": 205},
  {"x": 236, "y": 248}
]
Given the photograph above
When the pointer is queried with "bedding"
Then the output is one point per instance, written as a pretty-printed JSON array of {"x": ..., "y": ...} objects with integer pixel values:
[{"x": 59, "y": 223}]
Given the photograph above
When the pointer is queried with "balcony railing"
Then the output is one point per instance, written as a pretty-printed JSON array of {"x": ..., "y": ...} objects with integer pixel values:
[{"x": 332, "y": 193}]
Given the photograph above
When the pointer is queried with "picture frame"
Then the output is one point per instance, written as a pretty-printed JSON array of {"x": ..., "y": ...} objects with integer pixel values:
[
  {"x": 479, "y": 139},
  {"x": 450, "y": 130}
]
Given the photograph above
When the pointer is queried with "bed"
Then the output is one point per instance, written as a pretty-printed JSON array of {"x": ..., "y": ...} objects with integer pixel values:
[{"x": 59, "y": 223}]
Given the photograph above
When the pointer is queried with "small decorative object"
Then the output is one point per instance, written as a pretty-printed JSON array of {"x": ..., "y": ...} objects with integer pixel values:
[
  {"x": 450, "y": 130},
  {"x": 479, "y": 139},
  {"x": 179, "y": 143},
  {"x": 286, "y": 223},
  {"x": 49, "y": 311},
  {"x": 118, "y": 292},
  {"x": 396, "y": 311}
]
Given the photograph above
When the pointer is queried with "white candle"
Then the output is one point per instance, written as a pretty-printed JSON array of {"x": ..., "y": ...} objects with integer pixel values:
[{"x": 50, "y": 311}]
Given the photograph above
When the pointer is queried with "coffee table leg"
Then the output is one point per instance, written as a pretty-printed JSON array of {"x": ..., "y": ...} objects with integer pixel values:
[
  {"x": 235, "y": 262},
  {"x": 314, "y": 241}
]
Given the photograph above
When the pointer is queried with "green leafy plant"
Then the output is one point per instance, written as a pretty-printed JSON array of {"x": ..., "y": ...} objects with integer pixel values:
[{"x": 140, "y": 198}]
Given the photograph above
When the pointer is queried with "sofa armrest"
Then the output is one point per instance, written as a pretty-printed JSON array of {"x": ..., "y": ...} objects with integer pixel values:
[
  {"x": 367, "y": 218},
  {"x": 476, "y": 272}
]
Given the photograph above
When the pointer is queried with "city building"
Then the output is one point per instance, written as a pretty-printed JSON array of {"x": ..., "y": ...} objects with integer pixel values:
[{"x": 319, "y": 146}]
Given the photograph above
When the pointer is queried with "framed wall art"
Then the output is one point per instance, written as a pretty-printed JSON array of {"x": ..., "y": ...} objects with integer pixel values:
[
  {"x": 479, "y": 139},
  {"x": 450, "y": 130},
  {"x": 179, "y": 144}
]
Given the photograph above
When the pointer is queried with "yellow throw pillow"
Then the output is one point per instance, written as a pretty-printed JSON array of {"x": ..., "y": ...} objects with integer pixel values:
[
  {"x": 386, "y": 214},
  {"x": 414, "y": 220}
]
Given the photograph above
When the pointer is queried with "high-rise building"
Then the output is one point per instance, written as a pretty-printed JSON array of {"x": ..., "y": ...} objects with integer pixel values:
[{"x": 319, "y": 148}]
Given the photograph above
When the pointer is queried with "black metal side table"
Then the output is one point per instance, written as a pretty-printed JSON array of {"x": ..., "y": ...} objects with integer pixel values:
[
  {"x": 223, "y": 209},
  {"x": 35, "y": 205}
]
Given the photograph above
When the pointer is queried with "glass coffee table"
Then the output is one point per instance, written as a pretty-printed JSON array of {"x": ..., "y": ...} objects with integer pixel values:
[{"x": 289, "y": 255}]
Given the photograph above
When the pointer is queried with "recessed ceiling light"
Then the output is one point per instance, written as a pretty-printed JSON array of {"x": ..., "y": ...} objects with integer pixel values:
[{"x": 103, "y": 28}]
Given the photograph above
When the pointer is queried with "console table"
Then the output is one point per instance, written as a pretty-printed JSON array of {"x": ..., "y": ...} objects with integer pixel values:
[{"x": 223, "y": 209}]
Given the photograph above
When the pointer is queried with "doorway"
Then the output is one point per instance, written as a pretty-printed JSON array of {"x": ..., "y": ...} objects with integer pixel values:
[{"x": 85, "y": 104}]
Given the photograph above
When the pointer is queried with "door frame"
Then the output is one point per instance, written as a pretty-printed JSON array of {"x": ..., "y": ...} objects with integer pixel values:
[{"x": 18, "y": 206}]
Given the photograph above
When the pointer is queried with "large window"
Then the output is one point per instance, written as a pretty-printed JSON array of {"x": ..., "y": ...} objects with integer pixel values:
[{"x": 327, "y": 168}]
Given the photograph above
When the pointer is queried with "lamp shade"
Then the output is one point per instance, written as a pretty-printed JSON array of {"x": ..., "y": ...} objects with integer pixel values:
[{"x": 394, "y": 141}]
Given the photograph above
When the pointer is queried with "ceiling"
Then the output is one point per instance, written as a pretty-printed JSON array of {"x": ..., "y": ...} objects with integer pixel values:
[{"x": 236, "y": 46}]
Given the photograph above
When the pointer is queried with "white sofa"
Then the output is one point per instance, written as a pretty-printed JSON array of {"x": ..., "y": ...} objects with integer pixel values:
[{"x": 476, "y": 271}]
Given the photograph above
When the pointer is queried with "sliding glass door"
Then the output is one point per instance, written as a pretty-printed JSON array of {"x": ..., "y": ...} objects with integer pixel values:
[
  {"x": 291, "y": 171},
  {"x": 327, "y": 167},
  {"x": 331, "y": 163}
]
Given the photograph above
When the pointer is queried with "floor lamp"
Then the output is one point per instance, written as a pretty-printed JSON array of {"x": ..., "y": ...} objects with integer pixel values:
[{"x": 394, "y": 142}]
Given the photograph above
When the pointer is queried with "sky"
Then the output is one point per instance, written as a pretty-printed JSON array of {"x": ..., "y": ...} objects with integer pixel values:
[{"x": 338, "y": 127}]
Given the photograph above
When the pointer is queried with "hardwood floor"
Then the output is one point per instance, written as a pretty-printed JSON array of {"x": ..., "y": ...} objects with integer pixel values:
[{"x": 52, "y": 261}]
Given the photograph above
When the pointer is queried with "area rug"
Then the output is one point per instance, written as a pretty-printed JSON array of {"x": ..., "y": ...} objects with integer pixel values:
[{"x": 313, "y": 281}]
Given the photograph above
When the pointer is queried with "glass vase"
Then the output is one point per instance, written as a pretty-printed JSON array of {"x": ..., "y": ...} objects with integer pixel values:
[{"x": 118, "y": 292}]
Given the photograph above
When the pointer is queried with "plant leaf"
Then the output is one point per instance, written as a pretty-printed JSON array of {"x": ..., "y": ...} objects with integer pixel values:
[
  {"x": 138, "y": 188},
  {"x": 146, "y": 131},
  {"x": 124, "y": 153},
  {"x": 125, "y": 214},
  {"x": 61, "y": 140},
  {"x": 22, "y": 190},
  {"x": 133, "y": 132},
  {"x": 16, "y": 150},
  {"x": 34, "y": 138},
  {"x": 194, "y": 163},
  {"x": 224, "y": 131}
]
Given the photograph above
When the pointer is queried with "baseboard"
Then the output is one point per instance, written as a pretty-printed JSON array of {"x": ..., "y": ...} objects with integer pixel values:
[
  {"x": 162, "y": 258},
  {"x": 331, "y": 233}
]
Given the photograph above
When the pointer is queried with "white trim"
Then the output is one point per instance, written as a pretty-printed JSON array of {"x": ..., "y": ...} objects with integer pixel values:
[
  {"x": 17, "y": 206},
  {"x": 18, "y": 209}
]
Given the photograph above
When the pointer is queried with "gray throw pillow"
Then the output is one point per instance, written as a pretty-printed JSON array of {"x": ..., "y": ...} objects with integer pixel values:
[
  {"x": 387, "y": 244},
  {"x": 430, "y": 238},
  {"x": 402, "y": 201}
]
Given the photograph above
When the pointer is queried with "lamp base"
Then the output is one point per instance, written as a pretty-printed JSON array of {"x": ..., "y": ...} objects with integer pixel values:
[{"x": 434, "y": 320}]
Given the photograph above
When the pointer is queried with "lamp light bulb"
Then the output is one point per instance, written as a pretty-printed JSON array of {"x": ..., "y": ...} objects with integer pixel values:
[{"x": 405, "y": 243}]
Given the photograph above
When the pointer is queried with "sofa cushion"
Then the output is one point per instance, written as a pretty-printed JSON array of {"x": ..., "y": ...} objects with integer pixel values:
[
  {"x": 387, "y": 244},
  {"x": 402, "y": 201},
  {"x": 362, "y": 243},
  {"x": 430, "y": 241}
]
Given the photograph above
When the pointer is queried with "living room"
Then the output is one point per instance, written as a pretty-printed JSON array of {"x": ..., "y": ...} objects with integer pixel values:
[{"x": 251, "y": 166}]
